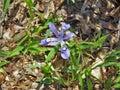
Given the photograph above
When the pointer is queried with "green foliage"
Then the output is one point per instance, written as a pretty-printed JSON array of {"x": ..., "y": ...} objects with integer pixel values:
[
  {"x": 81, "y": 81},
  {"x": 109, "y": 64},
  {"x": 32, "y": 47},
  {"x": 117, "y": 85},
  {"x": 93, "y": 45},
  {"x": 51, "y": 54},
  {"x": 89, "y": 83},
  {"x": 6, "y": 4},
  {"x": 117, "y": 80},
  {"x": 16, "y": 51},
  {"x": 115, "y": 55},
  {"x": 3, "y": 63},
  {"x": 47, "y": 80},
  {"x": 73, "y": 1},
  {"x": 47, "y": 69},
  {"x": 30, "y": 4},
  {"x": 3, "y": 53},
  {"x": 108, "y": 83}
]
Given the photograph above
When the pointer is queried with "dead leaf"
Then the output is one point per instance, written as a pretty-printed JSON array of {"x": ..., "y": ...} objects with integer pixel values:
[{"x": 107, "y": 25}]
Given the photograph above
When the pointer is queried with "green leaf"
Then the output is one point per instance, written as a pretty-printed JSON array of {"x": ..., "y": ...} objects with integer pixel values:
[
  {"x": 2, "y": 53},
  {"x": 6, "y": 4},
  {"x": 73, "y": 1},
  {"x": 16, "y": 51},
  {"x": 2, "y": 70},
  {"x": 44, "y": 49},
  {"x": 22, "y": 40},
  {"x": 51, "y": 54},
  {"x": 33, "y": 43},
  {"x": 109, "y": 64},
  {"x": 108, "y": 84},
  {"x": 3, "y": 63},
  {"x": 42, "y": 17},
  {"x": 115, "y": 55},
  {"x": 47, "y": 80},
  {"x": 46, "y": 69},
  {"x": 81, "y": 81},
  {"x": 33, "y": 50},
  {"x": 47, "y": 34},
  {"x": 101, "y": 40},
  {"x": 117, "y": 85},
  {"x": 117, "y": 79},
  {"x": 39, "y": 29},
  {"x": 89, "y": 83},
  {"x": 30, "y": 4},
  {"x": 73, "y": 60}
]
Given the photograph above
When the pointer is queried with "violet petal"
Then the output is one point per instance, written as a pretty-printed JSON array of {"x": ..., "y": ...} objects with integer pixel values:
[
  {"x": 65, "y": 53},
  {"x": 44, "y": 42},
  {"x": 65, "y": 26},
  {"x": 61, "y": 35},
  {"x": 53, "y": 29},
  {"x": 49, "y": 42},
  {"x": 68, "y": 36}
]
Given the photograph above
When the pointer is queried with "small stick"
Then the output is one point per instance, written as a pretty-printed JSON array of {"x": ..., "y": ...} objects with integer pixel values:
[{"x": 84, "y": 6}]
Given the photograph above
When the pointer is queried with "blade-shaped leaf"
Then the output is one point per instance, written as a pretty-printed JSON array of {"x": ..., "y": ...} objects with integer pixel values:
[
  {"x": 108, "y": 64},
  {"x": 89, "y": 83},
  {"x": 2, "y": 53},
  {"x": 117, "y": 85},
  {"x": 6, "y": 3},
  {"x": 51, "y": 54},
  {"x": 3, "y": 63},
  {"x": 16, "y": 51}
]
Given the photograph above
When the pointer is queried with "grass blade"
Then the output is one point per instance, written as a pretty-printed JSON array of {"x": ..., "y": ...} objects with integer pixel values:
[
  {"x": 16, "y": 51},
  {"x": 6, "y": 4}
]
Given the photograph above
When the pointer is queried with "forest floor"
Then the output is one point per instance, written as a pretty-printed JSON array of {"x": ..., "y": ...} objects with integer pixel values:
[{"x": 86, "y": 17}]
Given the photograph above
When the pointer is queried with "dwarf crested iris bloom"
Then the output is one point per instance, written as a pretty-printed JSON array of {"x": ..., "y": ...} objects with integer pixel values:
[{"x": 59, "y": 38}]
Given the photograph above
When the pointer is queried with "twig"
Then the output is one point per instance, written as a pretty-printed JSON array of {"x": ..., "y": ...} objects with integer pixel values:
[{"x": 84, "y": 6}]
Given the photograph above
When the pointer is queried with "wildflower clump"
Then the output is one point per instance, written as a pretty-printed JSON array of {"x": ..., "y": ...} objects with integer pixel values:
[{"x": 60, "y": 38}]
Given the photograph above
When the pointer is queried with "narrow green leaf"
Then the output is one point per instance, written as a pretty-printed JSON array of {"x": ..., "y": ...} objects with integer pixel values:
[
  {"x": 73, "y": 1},
  {"x": 89, "y": 83},
  {"x": 108, "y": 84},
  {"x": 117, "y": 85},
  {"x": 16, "y": 51},
  {"x": 3, "y": 63},
  {"x": 40, "y": 29},
  {"x": 81, "y": 81},
  {"x": 33, "y": 43},
  {"x": 2, "y": 53},
  {"x": 22, "y": 40},
  {"x": 51, "y": 54},
  {"x": 115, "y": 55},
  {"x": 117, "y": 79},
  {"x": 33, "y": 50},
  {"x": 6, "y": 4},
  {"x": 30, "y": 4},
  {"x": 44, "y": 49},
  {"x": 108, "y": 64},
  {"x": 46, "y": 69},
  {"x": 47, "y": 80},
  {"x": 101, "y": 40}
]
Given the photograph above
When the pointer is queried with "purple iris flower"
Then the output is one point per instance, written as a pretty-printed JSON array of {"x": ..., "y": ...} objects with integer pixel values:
[{"x": 59, "y": 39}]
